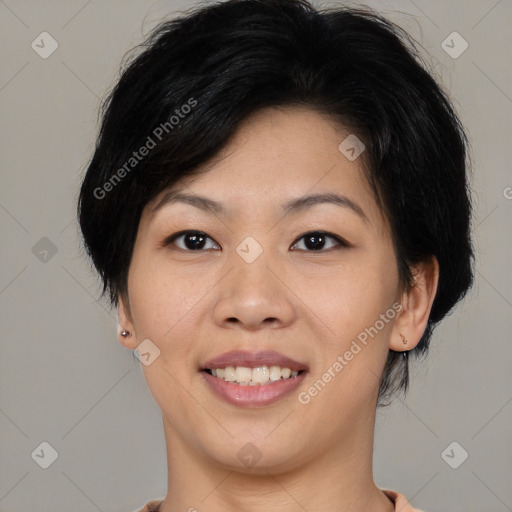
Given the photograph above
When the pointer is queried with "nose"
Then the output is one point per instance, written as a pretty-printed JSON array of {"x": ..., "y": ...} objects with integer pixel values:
[{"x": 253, "y": 296}]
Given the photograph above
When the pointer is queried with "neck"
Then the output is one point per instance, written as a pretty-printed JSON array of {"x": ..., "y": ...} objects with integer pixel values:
[{"x": 337, "y": 479}]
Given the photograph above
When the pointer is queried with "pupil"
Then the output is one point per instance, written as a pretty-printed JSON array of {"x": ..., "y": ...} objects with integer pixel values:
[
  {"x": 311, "y": 244},
  {"x": 196, "y": 241}
]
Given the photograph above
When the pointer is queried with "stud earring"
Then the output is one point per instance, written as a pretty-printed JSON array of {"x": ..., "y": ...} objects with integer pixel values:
[
  {"x": 125, "y": 333},
  {"x": 404, "y": 341}
]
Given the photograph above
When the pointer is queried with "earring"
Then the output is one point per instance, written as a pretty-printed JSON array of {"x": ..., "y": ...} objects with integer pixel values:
[
  {"x": 125, "y": 333},
  {"x": 404, "y": 341}
]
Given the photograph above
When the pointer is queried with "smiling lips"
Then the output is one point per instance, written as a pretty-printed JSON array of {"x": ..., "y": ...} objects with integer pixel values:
[{"x": 253, "y": 379}]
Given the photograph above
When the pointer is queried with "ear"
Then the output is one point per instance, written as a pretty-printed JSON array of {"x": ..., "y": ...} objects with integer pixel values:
[
  {"x": 126, "y": 324},
  {"x": 416, "y": 305}
]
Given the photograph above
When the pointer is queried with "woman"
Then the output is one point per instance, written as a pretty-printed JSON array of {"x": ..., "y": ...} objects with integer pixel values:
[{"x": 272, "y": 209}]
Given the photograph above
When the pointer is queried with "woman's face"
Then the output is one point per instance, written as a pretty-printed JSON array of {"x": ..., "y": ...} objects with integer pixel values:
[{"x": 255, "y": 283}]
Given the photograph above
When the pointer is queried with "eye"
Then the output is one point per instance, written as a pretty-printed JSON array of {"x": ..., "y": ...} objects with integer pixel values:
[
  {"x": 192, "y": 240},
  {"x": 316, "y": 241}
]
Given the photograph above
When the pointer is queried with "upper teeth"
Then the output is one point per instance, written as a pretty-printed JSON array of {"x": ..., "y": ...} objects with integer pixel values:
[{"x": 253, "y": 376}]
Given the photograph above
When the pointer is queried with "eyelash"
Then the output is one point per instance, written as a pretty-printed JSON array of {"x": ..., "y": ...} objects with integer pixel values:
[{"x": 340, "y": 241}]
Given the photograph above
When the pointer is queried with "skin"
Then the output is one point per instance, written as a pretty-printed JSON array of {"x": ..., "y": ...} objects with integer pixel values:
[{"x": 309, "y": 305}]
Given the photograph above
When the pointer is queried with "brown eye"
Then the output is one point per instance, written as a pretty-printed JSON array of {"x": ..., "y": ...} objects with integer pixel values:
[
  {"x": 318, "y": 240},
  {"x": 191, "y": 240}
]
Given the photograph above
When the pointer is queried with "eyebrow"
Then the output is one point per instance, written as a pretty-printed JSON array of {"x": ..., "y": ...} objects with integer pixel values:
[{"x": 293, "y": 206}]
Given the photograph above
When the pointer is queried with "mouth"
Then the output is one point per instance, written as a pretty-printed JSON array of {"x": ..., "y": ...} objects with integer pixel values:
[
  {"x": 253, "y": 368},
  {"x": 253, "y": 379}
]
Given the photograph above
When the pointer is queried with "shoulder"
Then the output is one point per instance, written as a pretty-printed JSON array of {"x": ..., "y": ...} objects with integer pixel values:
[
  {"x": 151, "y": 506},
  {"x": 400, "y": 501}
]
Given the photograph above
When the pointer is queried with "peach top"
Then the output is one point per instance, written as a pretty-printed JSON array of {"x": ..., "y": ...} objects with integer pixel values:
[{"x": 399, "y": 500}]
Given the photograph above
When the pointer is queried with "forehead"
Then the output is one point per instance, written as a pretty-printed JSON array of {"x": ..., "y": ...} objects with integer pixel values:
[{"x": 278, "y": 154}]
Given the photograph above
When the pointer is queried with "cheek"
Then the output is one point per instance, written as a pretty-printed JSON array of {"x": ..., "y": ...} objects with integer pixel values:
[
  {"x": 169, "y": 306},
  {"x": 163, "y": 310},
  {"x": 350, "y": 356},
  {"x": 352, "y": 297},
  {"x": 163, "y": 299}
]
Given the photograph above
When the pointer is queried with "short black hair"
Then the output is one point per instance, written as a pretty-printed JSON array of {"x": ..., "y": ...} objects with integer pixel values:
[{"x": 199, "y": 75}]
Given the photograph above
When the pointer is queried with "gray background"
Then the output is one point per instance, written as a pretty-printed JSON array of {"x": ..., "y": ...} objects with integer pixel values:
[{"x": 66, "y": 380}]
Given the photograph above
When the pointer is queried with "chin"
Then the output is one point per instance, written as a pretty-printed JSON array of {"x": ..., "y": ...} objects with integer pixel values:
[{"x": 257, "y": 455}]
